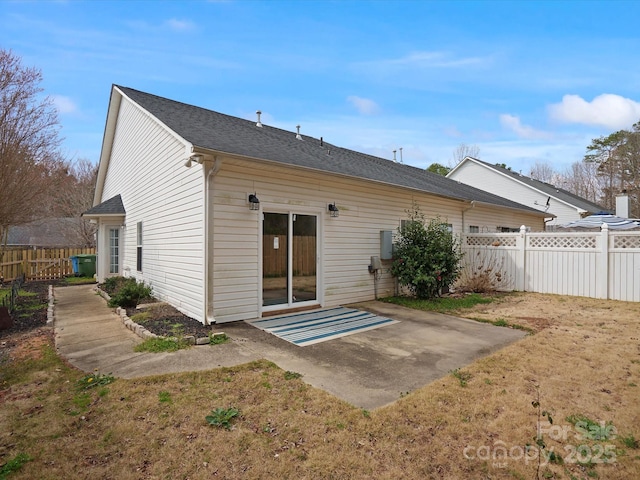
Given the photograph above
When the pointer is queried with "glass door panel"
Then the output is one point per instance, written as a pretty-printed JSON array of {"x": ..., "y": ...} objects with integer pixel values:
[
  {"x": 275, "y": 272},
  {"x": 304, "y": 258}
]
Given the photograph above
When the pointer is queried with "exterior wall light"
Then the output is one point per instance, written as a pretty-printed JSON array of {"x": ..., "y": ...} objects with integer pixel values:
[
  {"x": 333, "y": 210},
  {"x": 254, "y": 203},
  {"x": 196, "y": 157}
]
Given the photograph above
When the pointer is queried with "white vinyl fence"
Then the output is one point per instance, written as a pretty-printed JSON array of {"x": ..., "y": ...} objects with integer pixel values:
[{"x": 603, "y": 264}]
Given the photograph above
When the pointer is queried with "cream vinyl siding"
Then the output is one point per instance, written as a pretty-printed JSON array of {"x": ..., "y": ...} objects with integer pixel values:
[
  {"x": 489, "y": 180},
  {"x": 147, "y": 169},
  {"x": 346, "y": 243},
  {"x": 490, "y": 219}
]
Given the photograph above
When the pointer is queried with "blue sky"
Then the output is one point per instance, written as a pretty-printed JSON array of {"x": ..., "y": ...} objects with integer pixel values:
[{"x": 524, "y": 81}]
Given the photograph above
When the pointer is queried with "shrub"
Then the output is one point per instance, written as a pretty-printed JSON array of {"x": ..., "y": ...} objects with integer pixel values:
[
  {"x": 130, "y": 293},
  {"x": 426, "y": 256},
  {"x": 483, "y": 272},
  {"x": 112, "y": 284}
]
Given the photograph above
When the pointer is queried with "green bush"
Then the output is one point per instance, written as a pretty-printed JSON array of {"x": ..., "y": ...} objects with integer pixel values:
[
  {"x": 130, "y": 293},
  {"x": 112, "y": 284},
  {"x": 426, "y": 256}
]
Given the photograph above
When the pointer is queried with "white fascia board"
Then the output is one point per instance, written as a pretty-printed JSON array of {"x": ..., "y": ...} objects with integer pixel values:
[{"x": 109, "y": 132}]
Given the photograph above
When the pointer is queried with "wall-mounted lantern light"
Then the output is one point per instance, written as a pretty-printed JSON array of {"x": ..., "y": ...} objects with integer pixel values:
[
  {"x": 254, "y": 203},
  {"x": 333, "y": 210},
  {"x": 196, "y": 157}
]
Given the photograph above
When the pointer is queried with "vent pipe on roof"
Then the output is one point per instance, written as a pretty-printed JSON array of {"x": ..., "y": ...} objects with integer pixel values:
[
  {"x": 259, "y": 124},
  {"x": 321, "y": 142},
  {"x": 394, "y": 156},
  {"x": 298, "y": 136},
  {"x": 400, "y": 155}
]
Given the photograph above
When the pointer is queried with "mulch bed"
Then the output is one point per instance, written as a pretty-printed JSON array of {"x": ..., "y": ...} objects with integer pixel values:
[
  {"x": 30, "y": 312},
  {"x": 161, "y": 318},
  {"x": 166, "y": 321}
]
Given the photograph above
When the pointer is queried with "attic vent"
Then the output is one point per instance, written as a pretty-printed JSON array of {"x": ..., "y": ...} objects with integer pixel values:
[
  {"x": 259, "y": 124},
  {"x": 298, "y": 136}
]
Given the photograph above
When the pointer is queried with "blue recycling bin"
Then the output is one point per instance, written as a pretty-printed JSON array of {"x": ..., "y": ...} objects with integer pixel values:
[{"x": 74, "y": 265}]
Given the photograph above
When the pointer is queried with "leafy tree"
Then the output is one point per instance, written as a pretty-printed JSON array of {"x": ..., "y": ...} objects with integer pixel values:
[
  {"x": 503, "y": 165},
  {"x": 31, "y": 167},
  {"x": 617, "y": 157},
  {"x": 438, "y": 169},
  {"x": 426, "y": 256}
]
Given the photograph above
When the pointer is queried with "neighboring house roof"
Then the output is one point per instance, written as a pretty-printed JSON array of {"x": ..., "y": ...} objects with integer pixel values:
[
  {"x": 113, "y": 206},
  {"x": 222, "y": 133},
  {"x": 49, "y": 232},
  {"x": 546, "y": 188}
]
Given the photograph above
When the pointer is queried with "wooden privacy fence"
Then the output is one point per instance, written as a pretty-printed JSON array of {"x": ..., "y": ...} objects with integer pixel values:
[
  {"x": 603, "y": 264},
  {"x": 274, "y": 260},
  {"x": 39, "y": 264}
]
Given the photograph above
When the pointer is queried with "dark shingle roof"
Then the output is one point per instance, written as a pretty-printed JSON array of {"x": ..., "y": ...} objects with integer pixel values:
[
  {"x": 550, "y": 190},
  {"x": 48, "y": 232},
  {"x": 226, "y": 134},
  {"x": 113, "y": 206}
]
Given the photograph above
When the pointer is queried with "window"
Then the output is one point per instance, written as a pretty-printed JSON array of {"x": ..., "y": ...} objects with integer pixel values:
[
  {"x": 507, "y": 230},
  {"x": 114, "y": 250},
  {"x": 474, "y": 229},
  {"x": 139, "y": 247}
]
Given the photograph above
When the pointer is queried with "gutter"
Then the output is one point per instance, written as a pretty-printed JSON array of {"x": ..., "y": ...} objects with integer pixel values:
[
  {"x": 472, "y": 204},
  {"x": 210, "y": 167}
]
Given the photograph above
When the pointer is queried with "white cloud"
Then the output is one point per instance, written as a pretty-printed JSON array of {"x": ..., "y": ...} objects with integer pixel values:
[
  {"x": 180, "y": 25},
  {"x": 435, "y": 59},
  {"x": 607, "y": 110},
  {"x": 64, "y": 104},
  {"x": 364, "y": 105},
  {"x": 513, "y": 123}
]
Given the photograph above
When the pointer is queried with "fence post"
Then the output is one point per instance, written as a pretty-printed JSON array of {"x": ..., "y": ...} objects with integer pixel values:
[
  {"x": 602, "y": 264},
  {"x": 521, "y": 245}
]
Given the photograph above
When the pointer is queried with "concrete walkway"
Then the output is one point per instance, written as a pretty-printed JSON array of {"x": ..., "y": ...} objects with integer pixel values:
[
  {"x": 92, "y": 337},
  {"x": 367, "y": 369}
]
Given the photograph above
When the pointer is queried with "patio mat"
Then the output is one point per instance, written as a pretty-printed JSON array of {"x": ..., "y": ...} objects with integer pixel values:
[{"x": 304, "y": 329}]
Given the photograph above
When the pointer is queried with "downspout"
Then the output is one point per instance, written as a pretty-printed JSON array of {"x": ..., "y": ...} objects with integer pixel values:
[
  {"x": 471, "y": 205},
  {"x": 210, "y": 169}
]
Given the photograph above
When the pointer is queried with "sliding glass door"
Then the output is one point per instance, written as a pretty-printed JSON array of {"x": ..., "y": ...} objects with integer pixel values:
[{"x": 289, "y": 259}]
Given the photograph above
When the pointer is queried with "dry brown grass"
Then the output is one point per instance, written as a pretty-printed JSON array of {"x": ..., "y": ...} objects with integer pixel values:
[{"x": 585, "y": 361}]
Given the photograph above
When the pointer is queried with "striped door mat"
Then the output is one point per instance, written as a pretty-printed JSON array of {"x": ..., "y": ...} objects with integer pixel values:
[{"x": 304, "y": 329}]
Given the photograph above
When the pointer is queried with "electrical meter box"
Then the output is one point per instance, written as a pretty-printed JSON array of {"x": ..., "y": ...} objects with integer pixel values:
[{"x": 386, "y": 244}]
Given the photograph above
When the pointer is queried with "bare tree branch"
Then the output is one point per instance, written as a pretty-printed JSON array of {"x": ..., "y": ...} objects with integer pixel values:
[{"x": 30, "y": 161}]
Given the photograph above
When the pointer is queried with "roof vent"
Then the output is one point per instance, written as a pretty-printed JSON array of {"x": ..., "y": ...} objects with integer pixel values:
[
  {"x": 321, "y": 142},
  {"x": 259, "y": 124},
  {"x": 298, "y": 136},
  {"x": 394, "y": 156}
]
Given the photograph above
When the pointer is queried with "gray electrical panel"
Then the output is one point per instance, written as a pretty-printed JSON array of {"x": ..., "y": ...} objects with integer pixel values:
[{"x": 386, "y": 244}]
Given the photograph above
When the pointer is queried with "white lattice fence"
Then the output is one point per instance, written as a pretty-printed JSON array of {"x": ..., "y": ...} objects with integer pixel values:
[
  {"x": 490, "y": 258},
  {"x": 595, "y": 264},
  {"x": 561, "y": 241}
]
